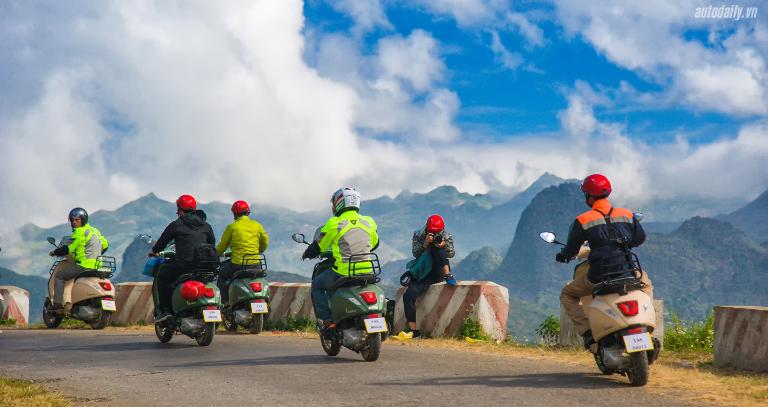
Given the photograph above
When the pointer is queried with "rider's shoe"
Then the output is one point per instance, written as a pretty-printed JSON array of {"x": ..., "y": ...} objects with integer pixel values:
[{"x": 163, "y": 316}]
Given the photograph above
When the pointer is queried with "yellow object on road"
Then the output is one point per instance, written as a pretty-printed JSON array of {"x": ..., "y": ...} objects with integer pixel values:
[{"x": 403, "y": 336}]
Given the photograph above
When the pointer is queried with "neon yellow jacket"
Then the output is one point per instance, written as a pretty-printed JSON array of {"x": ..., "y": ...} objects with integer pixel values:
[
  {"x": 87, "y": 244},
  {"x": 245, "y": 236},
  {"x": 345, "y": 235}
]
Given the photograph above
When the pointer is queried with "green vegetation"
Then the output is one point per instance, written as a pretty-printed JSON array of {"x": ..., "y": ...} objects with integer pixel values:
[
  {"x": 690, "y": 336},
  {"x": 23, "y": 393},
  {"x": 548, "y": 331},
  {"x": 304, "y": 324},
  {"x": 8, "y": 322},
  {"x": 471, "y": 328}
]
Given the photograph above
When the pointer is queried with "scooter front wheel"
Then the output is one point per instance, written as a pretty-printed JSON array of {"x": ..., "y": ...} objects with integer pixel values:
[
  {"x": 331, "y": 345},
  {"x": 163, "y": 331},
  {"x": 49, "y": 319}
]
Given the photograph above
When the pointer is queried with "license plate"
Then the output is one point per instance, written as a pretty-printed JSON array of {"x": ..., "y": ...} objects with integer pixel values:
[
  {"x": 259, "y": 307},
  {"x": 108, "y": 305},
  {"x": 374, "y": 325},
  {"x": 211, "y": 315},
  {"x": 638, "y": 342}
]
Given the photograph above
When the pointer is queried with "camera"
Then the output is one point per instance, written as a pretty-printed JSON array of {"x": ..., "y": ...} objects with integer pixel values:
[{"x": 438, "y": 239}]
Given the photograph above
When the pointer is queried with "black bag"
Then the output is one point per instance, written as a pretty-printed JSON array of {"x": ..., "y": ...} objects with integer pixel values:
[{"x": 206, "y": 253}]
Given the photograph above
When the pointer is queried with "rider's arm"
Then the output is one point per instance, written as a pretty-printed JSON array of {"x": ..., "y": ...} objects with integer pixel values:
[
  {"x": 61, "y": 251},
  {"x": 312, "y": 251},
  {"x": 225, "y": 238},
  {"x": 449, "y": 250},
  {"x": 209, "y": 236},
  {"x": 263, "y": 240},
  {"x": 164, "y": 239},
  {"x": 639, "y": 236},
  {"x": 575, "y": 239},
  {"x": 417, "y": 245}
]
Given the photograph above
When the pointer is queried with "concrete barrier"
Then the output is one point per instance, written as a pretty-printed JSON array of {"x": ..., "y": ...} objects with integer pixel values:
[
  {"x": 569, "y": 336},
  {"x": 16, "y": 304},
  {"x": 134, "y": 304},
  {"x": 741, "y": 337},
  {"x": 441, "y": 310},
  {"x": 290, "y": 299}
]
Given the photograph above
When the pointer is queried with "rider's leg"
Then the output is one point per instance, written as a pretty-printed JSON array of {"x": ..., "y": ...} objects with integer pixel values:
[
  {"x": 68, "y": 271},
  {"x": 320, "y": 284},
  {"x": 570, "y": 296},
  {"x": 414, "y": 291},
  {"x": 225, "y": 274},
  {"x": 165, "y": 278}
]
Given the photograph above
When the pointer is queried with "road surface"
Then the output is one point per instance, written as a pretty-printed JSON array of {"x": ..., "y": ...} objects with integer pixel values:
[{"x": 113, "y": 368}]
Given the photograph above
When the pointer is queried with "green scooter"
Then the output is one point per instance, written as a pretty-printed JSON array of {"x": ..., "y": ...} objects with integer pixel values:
[
  {"x": 248, "y": 295},
  {"x": 195, "y": 300},
  {"x": 357, "y": 306}
]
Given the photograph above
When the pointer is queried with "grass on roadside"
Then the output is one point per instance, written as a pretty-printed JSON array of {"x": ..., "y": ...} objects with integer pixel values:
[{"x": 15, "y": 392}]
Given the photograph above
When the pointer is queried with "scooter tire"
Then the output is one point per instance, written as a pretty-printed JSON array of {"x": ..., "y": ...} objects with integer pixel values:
[
  {"x": 163, "y": 331},
  {"x": 601, "y": 366},
  {"x": 205, "y": 338},
  {"x": 638, "y": 371},
  {"x": 51, "y": 321},
  {"x": 257, "y": 323},
  {"x": 331, "y": 346},
  {"x": 229, "y": 322},
  {"x": 102, "y": 321},
  {"x": 373, "y": 347}
]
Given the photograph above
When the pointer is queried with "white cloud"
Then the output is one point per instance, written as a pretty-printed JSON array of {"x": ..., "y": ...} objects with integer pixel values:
[
  {"x": 727, "y": 75},
  {"x": 466, "y": 12},
  {"x": 506, "y": 58},
  {"x": 367, "y": 14},
  {"x": 530, "y": 31}
]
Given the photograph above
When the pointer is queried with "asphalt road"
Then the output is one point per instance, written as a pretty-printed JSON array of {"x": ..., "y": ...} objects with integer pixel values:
[{"x": 133, "y": 369}]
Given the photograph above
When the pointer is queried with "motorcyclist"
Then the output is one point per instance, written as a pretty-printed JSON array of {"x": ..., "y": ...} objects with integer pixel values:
[
  {"x": 246, "y": 237},
  {"x": 434, "y": 241},
  {"x": 191, "y": 233},
  {"x": 86, "y": 245},
  {"x": 345, "y": 234},
  {"x": 611, "y": 232}
]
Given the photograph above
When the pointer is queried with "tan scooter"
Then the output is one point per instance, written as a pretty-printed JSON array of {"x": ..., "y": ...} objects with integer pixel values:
[
  {"x": 622, "y": 320},
  {"x": 91, "y": 294}
]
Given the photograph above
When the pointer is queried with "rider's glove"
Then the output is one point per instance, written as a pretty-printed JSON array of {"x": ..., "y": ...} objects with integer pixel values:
[
  {"x": 450, "y": 280},
  {"x": 560, "y": 257}
]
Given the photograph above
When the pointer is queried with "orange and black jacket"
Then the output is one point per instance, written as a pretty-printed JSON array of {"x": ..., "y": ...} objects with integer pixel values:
[{"x": 593, "y": 226}]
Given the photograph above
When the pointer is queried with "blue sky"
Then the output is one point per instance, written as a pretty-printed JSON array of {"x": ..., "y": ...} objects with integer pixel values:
[
  {"x": 501, "y": 103},
  {"x": 280, "y": 102}
]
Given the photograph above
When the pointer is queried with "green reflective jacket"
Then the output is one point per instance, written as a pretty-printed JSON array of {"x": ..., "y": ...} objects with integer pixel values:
[
  {"x": 345, "y": 235},
  {"x": 87, "y": 244}
]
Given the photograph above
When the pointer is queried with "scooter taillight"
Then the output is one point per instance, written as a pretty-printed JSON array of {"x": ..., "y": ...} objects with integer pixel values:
[
  {"x": 369, "y": 297},
  {"x": 209, "y": 292},
  {"x": 106, "y": 285},
  {"x": 629, "y": 308},
  {"x": 192, "y": 290},
  {"x": 256, "y": 287}
]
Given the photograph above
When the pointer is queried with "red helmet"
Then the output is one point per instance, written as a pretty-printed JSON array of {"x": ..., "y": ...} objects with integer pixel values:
[
  {"x": 186, "y": 203},
  {"x": 596, "y": 185},
  {"x": 240, "y": 208},
  {"x": 435, "y": 224}
]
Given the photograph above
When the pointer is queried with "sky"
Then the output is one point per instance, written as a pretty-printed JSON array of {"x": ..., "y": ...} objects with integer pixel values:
[{"x": 281, "y": 102}]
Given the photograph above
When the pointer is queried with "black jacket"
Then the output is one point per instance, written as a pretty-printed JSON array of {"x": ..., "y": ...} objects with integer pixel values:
[
  {"x": 189, "y": 231},
  {"x": 602, "y": 226}
]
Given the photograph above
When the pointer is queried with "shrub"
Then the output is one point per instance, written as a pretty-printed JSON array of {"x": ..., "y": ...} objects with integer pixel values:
[
  {"x": 690, "y": 336},
  {"x": 290, "y": 323},
  {"x": 548, "y": 331},
  {"x": 471, "y": 328},
  {"x": 8, "y": 322}
]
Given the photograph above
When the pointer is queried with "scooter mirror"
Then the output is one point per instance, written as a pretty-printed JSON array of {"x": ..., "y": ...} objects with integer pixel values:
[
  {"x": 145, "y": 238},
  {"x": 51, "y": 240},
  {"x": 298, "y": 238},
  {"x": 548, "y": 237},
  {"x": 639, "y": 216}
]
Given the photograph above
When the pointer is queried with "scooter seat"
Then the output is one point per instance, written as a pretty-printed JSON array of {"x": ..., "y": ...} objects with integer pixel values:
[
  {"x": 618, "y": 286},
  {"x": 355, "y": 281},
  {"x": 94, "y": 273},
  {"x": 251, "y": 272}
]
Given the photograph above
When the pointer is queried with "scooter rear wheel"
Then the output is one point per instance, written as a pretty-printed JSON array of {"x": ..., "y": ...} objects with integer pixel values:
[
  {"x": 257, "y": 323},
  {"x": 638, "y": 372},
  {"x": 373, "y": 347},
  {"x": 206, "y": 337},
  {"x": 163, "y": 331},
  {"x": 50, "y": 320},
  {"x": 102, "y": 321}
]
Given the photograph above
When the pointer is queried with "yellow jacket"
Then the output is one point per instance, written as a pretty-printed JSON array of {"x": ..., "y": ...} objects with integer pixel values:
[{"x": 245, "y": 236}]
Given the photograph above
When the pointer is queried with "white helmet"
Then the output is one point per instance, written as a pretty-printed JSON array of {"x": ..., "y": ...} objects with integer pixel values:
[{"x": 343, "y": 199}]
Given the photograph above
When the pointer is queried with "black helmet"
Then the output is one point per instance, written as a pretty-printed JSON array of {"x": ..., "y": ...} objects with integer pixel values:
[{"x": 79, "y": 213}]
